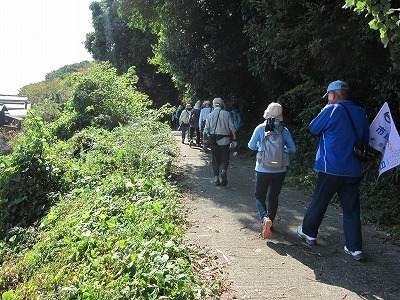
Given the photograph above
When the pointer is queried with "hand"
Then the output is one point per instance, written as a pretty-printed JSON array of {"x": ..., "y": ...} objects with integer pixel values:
[{"x": 233, "y": 144}]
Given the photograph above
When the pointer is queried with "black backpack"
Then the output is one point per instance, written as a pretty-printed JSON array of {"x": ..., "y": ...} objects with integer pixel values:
[{"x": 194, "y": 117}]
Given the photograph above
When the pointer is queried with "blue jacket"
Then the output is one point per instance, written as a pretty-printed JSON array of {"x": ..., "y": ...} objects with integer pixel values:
[
  {"x": 257, "y": 138},
  {"x": 335, "y": 154}
]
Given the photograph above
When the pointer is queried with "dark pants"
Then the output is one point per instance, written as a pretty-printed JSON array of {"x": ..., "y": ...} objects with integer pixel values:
[
  {"x": 267, "y": 201},
  {"x": 220, "y": 159},
  {"x": 184, "y": 128},
  {"x": 347, "y": 189},
  {"x": 192, "y": 131}
]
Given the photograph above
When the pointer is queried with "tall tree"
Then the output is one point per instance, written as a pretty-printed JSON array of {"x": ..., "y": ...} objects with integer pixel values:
[
  {"x": 201, "y": 43},
  {"x": 294, "y": 42},
  {"x": 384, "y": 16},
  {"x": 124, "y": 47}
]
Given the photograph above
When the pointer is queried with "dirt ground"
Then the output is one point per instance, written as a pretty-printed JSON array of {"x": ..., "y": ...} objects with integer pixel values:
[{"x": 223, "y": 220}]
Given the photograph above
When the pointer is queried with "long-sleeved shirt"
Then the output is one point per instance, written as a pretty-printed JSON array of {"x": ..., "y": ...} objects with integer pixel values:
[
  {"x": 258, "y": 137},
  {"x": 203, "y": 115},
  {"x": 335, "y": 155}
]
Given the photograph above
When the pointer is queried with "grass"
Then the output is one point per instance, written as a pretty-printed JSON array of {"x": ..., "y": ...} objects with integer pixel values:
[{"x": 115, "y": 233}]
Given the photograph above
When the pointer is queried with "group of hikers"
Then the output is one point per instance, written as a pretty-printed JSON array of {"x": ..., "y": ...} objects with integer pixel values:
[
  {"x": 339, "y": 170},
  {"x": 191, "y": 121}
]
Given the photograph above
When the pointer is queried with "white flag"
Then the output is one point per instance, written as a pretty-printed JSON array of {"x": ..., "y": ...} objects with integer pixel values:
[
  {"x": 385, "y": 138},
  {"x": 379, "y": 130}
]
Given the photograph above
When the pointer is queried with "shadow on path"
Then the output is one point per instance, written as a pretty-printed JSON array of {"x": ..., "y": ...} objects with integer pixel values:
[{"x": 224, "y": 219}]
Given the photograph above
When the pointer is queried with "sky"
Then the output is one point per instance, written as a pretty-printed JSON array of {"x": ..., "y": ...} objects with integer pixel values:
[{"x": 40, "y": 36}]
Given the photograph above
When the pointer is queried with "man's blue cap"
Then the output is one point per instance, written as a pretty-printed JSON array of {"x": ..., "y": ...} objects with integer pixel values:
[{"x": 336, "y": 85}]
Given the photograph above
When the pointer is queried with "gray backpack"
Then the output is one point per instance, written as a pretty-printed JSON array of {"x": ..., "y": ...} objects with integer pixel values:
[{"x": 272, "y": 152}]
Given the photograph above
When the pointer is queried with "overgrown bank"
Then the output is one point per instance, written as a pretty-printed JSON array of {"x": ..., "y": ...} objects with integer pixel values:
[{"x": 88, "y": 210}]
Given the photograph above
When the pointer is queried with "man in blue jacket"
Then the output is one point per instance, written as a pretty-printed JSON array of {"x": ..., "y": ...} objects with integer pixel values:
[{"x": 339, "y": 170}]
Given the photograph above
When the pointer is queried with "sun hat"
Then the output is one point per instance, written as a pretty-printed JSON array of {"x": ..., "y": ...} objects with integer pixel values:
[
  {"x": 197, "y": 105},
  {"x": 218, "y": 101},
  {"x": 336, "y": 85},
  {"x": 274, "y": 110},
  {"x": 207, "y": 102},
  {"x": 188, "y": 106}
]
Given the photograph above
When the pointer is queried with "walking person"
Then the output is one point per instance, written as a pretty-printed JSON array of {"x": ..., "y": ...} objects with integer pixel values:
[
  {"x": 177, "y": 115},
  {"x": 236, "y": 117},
  {"x": 184, "y": 122},
  {"x": 194, "y": 124},
  {"x": 269, "y": 179},
  {"x": 202, "y": 119},
  {"x": 339, "y": 170},
  {"x": 219, "y": 122}
]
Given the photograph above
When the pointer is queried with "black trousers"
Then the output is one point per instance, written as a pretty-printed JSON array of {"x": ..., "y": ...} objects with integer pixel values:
[
  {"x": 220, "y": 159},
  {"x": 193, "y": 130}
]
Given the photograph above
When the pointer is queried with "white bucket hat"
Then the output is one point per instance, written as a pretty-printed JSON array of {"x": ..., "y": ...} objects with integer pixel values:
[{"x": 274, "y": 110}]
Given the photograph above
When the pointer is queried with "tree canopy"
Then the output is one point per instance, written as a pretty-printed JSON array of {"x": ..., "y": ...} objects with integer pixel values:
[
  {"x": 252, "y": 52},
  {"x": 385, "y": 17}
]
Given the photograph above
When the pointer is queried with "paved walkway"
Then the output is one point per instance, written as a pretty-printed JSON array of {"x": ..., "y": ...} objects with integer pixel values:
[{"x": 223, "y": 220}]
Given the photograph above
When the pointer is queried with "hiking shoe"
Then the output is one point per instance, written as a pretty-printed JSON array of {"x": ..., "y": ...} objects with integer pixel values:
[
  {"x": 266, "y": 232},
  {"x": 224, "y": 180},
  {"x": 309, "y": 240},
  {"x": 216, "y": 181},
  {"x": 357, "y": 255}
]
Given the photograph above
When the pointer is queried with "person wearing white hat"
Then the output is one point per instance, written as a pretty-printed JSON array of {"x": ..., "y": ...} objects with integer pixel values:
[
  {"x": 339, "y": 170},
  {"x": 219, "y": 122},
  {"x": 268, "y": 180},
  {"x": 184, "y": 121}
]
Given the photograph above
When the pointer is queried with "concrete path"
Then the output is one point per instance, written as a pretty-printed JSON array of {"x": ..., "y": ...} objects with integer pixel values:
[{"x": 224, "y": 220}]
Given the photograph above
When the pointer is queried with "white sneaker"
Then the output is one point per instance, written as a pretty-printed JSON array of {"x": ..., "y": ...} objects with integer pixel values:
[
  {"x": 357, "y": 255},
  {"x": 309, "y": 240}
]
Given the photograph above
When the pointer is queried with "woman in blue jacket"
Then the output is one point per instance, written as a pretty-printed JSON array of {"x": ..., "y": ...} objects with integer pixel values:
[{"x": 269, "y": 181}]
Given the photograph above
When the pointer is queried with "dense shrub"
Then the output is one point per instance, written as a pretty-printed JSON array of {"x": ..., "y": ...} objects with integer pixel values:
[
  {"x": 103, "y": 99},
  {"x": 108, "y": 224},
  {"x": 27, "y": 178}
]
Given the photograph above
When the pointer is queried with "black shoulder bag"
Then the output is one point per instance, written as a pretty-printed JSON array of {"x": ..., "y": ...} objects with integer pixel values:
[
  {"x": 210, "y": 139},
  {"x": 363, "y": 151}
]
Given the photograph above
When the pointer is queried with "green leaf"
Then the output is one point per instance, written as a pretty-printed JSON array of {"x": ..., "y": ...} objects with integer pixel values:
[
  {"x": 112, "y": 223},
  {"x": 9, "y": 295},
  {"x": 386, "y": 8},
  {"x": 157, "y": 207},
  {"x": 121, "y": 153},
  {"x": 120, "y": 243},
  {"x": 360, "y": 5},
  {"x": 373, "y": 24}
]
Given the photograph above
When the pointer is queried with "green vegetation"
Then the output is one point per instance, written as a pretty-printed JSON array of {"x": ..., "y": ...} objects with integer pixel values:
[
  {"x": 385, "y": 17},
  {"x": 93, "y": 215},
  {"x": 87, "y": 211}
]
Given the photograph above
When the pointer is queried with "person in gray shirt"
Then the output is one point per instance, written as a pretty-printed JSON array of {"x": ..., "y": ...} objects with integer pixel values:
[{"x": 220, "y": 123}]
